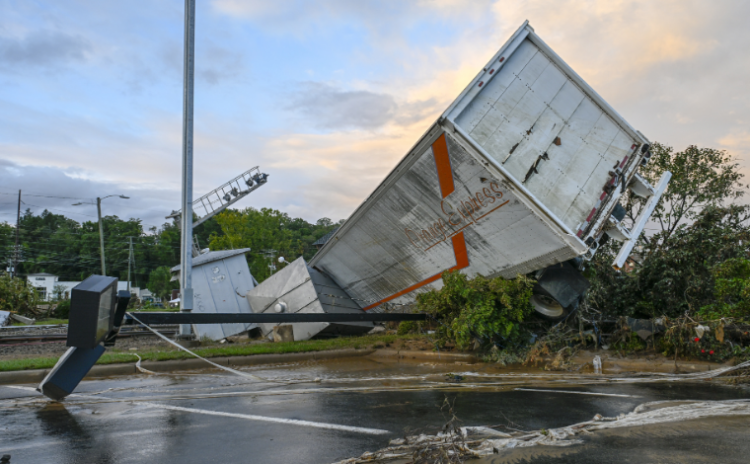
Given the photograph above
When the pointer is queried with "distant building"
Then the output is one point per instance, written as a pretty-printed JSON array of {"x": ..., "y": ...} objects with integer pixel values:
[{"x": 45, "y": 284}]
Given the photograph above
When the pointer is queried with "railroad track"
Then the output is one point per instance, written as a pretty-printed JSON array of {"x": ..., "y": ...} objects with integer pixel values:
[{"x": 21, "y": 339}]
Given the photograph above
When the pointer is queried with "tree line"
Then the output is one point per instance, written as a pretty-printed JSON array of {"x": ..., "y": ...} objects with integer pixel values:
[{"x": 56, "y": 244}]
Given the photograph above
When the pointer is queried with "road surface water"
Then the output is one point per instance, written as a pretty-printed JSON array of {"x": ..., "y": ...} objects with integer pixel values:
[{"x": 326, "y": 411}]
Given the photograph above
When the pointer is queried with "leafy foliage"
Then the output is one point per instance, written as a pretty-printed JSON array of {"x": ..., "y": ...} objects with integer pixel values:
[
  {"x": 701, "y": 178},
  {"x": 269, "y": 234},
  {"x": 675, "y": 277},
  {"x": 160, "y": 284},
  {"x": 731, "y": 290},
  {"x": 478, "y": 312},
  {"x": 58, "y": 245},
  {"x": 698, "y": 228},
  {"x": 63, "y": 309},
  {"x": 16, "y": 296},
  {"x": 406, "y": 327}
]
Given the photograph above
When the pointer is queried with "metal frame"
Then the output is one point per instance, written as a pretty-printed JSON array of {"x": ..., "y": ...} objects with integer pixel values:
[
  {"x": 641, "y": 221},
  {"x": 215, "y": 201},
  {"x": 268, "y": 318}
]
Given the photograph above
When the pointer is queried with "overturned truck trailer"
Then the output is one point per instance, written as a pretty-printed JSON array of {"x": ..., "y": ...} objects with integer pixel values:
[{"x": 522, "y": 174}]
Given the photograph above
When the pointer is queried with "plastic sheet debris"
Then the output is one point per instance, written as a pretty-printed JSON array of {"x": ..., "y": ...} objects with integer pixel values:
[
  {"x": 701, "y": 329},
  {"x": 4, "y": 318},
  {"x": 597, "y": 364},
  {"x": 477, "y": 444},
  {"x": 645, "y": 328}
]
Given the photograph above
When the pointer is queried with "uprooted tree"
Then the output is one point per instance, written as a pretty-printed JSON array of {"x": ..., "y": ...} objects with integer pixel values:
[{"x": 16, "y": 296}]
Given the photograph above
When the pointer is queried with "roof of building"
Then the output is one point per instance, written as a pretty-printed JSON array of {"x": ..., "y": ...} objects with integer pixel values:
[
  {"x": 212, "y": 256},
  {"x": 322, "y": 240},
  {"x": 41, "y": 274}
]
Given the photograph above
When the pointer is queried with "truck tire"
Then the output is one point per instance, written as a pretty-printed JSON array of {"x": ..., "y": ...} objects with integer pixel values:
[{"x": 547, "y": 307}]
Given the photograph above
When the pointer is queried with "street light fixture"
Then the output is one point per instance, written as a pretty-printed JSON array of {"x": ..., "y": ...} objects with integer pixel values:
[{"x": 101, "y": 227}]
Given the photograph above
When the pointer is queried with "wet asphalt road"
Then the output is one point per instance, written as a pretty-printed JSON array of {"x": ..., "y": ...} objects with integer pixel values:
[{"x": 359, "y": 405}]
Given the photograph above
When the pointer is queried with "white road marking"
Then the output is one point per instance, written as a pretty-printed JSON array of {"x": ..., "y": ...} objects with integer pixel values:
[
  {"x": 253, "y": 417},
  {"x": 576, "y": 392},
  {"x": 277, "y": 420}
]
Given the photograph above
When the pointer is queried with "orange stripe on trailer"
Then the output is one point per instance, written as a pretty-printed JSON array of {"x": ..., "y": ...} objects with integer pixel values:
[
  {"x": 443, "y": 163},
  {"x": 445, "y": 178},
  {"x": 462, "y": 261}
]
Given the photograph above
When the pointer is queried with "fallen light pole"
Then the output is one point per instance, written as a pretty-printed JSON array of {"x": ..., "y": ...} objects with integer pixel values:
[
  {"x": 98, "y": 311},
  {"x": 96, "y": 314}
]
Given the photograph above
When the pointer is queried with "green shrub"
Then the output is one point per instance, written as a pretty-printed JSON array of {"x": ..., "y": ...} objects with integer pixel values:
[
  {"x": 478, "y": 312},
  {"x": 406, "y": 327},
  {"x": 16, "y": 296},
  {"x": 731, "y": 290},
  {"x": 63, "y": 309}
]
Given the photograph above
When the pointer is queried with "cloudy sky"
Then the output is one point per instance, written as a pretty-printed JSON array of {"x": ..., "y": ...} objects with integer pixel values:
[{"x": 326, "y": 96}]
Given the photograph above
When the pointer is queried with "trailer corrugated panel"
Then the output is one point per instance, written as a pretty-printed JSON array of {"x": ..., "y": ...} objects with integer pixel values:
[
  {"x": 548, "y": 129},
  {"x": 511, "y": 179},
  {"x": 443, "y": 207}
]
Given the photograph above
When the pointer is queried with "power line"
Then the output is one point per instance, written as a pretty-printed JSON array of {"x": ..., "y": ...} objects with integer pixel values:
[{"x": 45, "y": 196}]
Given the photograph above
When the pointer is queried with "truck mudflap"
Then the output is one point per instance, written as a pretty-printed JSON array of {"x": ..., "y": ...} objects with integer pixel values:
[{"x": 631, "y": 236}]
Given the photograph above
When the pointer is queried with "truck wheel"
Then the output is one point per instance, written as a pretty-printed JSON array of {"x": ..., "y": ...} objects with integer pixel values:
[{"x": 547, "y": 307}]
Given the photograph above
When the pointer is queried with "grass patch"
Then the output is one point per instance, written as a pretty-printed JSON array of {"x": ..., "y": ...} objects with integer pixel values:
[
  {"x": 51, "y": 322},
  {"x": 116, "y": 357},
  {"x": 43, "y": 322},
  {"x": 155, "y": 309}
]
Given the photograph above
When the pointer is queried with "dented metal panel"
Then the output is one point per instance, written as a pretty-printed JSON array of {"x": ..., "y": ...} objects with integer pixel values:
[
  {"x": 511, "y": 179},
  {"x": 220, "y": 282},
  {"x": 299, "y": 289},
  {"x": 448, "y": 210}
]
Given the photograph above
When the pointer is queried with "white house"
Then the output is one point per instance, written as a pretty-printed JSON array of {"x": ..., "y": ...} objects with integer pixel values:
[{"x": 45, "y": 286}]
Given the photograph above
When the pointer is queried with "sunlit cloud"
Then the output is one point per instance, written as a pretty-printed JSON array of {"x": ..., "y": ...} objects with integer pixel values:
[{"x": 328, "y": 96}]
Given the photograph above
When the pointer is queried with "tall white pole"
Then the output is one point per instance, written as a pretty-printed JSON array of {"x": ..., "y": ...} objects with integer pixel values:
[
  {"x": 101, "y": 234},
  {"x": 186, "y": 250}
]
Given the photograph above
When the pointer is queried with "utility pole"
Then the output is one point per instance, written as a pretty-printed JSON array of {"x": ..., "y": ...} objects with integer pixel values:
[
  {"x": 186, "y": 251},
  {"x": 130, "y": 260},
  {"x": 101, "y": 234},
  {"x": 101, "y": 227},
  {"x": 18, "y": 227}
]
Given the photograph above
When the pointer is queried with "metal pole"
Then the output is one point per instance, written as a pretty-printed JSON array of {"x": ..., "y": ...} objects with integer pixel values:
[
  {"x": 186, "y": 251},
  {"x": 18, "y": 228},
  {"x": 130, "y": 260},
  {"x": 101, "y": 233}
]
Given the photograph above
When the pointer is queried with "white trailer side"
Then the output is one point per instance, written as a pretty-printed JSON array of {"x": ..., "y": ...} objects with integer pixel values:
[{"x": 520, "y": 173}]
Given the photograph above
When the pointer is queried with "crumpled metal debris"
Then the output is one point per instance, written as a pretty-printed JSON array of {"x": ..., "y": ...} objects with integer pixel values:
[{"x": 4, "y": 318}]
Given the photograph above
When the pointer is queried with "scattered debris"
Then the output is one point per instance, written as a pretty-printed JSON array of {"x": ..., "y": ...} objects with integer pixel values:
[
  {"x": 446, "y": 447},
  {"x": 645, "y": 328},
  {"x": 701, "y": 329},
  {"x": 283, "y": 333},
  {"x": 22, "y": 319},
  {"x": 377, "y": 330},
  {"x": 450, "y": 377}
]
